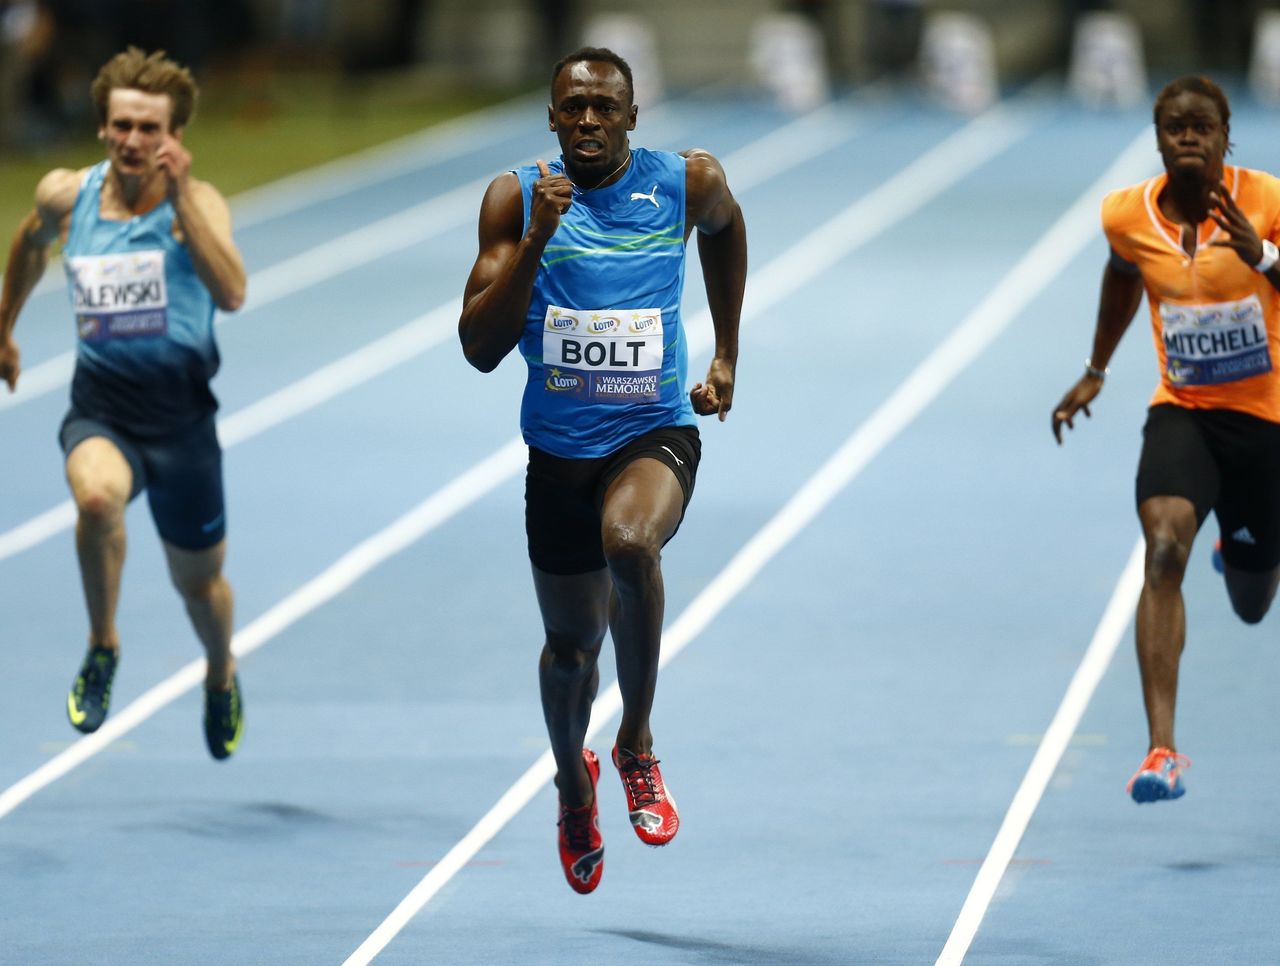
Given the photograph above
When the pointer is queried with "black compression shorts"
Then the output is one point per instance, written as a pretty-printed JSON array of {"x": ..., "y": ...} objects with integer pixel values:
[
  {"x": 1220, "y": 460},
  {"x": 563, "y": 497}
]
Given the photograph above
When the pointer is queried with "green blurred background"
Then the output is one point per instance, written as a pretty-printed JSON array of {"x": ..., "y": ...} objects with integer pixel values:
[{"x": 245, "y": 135}]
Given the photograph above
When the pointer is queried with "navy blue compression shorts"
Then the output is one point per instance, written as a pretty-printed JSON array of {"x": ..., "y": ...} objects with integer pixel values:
[{"x": 182, "y": 475}]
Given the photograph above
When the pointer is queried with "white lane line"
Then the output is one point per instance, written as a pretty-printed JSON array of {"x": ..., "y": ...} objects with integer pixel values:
[
  {"x": 944, "y": 164},
  {"x": 886, "y": 206},
  {"x": 366, "y": 363},
  {"x": 396, "y": 347},
  {"x": 437, "y": 144},
  {"x": 1063, "y": 243},
  {"x": 321, "y": 263},
  {"x": 1106, "y": 638},
  {"x": 361, "y": 169},
  {"x": 361, "y": 366},
  {"x": 440, "y": 507},
  {"x": 820, "y": 131}
]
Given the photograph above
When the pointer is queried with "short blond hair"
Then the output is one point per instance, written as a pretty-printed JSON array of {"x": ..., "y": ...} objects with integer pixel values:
[{"x": 152, "y": 73}]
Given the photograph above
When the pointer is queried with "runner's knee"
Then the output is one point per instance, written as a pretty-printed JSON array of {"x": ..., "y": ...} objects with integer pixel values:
[
  {"x": 1166, "y": 558},
  {"x": 196, "y": 589},
  {"x": 571, "y": 654},
  {"x": 631, "y": 553},
  {"x": 99, "y": 505}
]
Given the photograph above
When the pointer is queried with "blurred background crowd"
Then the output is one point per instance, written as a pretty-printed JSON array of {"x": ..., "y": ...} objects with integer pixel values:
[{"x": 49, "y": 49}]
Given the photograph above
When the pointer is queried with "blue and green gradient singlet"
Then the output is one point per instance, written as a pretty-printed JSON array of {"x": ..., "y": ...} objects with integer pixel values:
[
  {"x": 145, "y": 352},
  {"x": 603, "y": 338}
]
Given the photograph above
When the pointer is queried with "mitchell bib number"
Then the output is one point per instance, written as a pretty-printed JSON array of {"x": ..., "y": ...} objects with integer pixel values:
[
  {"x": 119, "y": 296},
  {"x": 603, "y": 355},
  {"x": 1211, "y": 344}
]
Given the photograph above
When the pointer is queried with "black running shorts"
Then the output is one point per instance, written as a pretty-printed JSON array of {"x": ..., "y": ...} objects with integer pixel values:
[
  {"x": 1220, "y": 460},
  {"x": 563, "y": 497}
]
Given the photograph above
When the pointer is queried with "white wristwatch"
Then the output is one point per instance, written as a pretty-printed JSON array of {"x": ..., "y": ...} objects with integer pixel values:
[{"x": 1270, "y": 255}]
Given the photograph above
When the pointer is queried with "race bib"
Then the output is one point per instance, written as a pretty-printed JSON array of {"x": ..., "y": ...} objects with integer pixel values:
[
  {"x": 603, "y": 355},
  {"x": 1211, "y": 344},
  {"x": 119, "y": 296}
]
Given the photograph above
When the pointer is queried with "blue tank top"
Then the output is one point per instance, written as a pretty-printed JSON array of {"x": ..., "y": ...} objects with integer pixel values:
[
  {"x": 145, "y": 350},
  {"x": 603, "y": 339}
]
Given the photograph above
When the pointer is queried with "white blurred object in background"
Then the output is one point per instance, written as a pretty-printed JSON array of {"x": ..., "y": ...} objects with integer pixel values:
[
  {"x": 632, "y": 39},
  {"x": 788, "y": 61},
  {"x": 1264, "y": 64},
  {"x": 1107, "y": 64},
  {"x": 958, "y": 61}
]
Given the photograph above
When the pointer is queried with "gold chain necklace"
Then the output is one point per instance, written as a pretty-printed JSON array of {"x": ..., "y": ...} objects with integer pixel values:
[{"x": 583, "y": 191}]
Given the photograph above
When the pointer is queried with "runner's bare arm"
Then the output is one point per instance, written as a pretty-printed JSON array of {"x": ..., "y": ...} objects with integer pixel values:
[
  {"x": 496, "y": 299},
  {"x": 28, "y": 256},
  {"x": 205, "y": 221},
  {"x": 722, "y": 248},
  {"x": 204, "y": 226},
  {"x": 1119, "y": 300}
]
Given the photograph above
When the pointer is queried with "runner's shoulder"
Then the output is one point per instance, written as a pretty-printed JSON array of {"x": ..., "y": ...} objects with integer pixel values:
[
  {"x": 56, "y": 192},
  {"x": 1122, "y": 206},
  {"x": 1260, "y": 186}
]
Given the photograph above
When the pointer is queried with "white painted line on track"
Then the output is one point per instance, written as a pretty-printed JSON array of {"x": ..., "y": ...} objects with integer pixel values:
[
  {"x": 440, "y": 507},
  {"x": 1036, "y": 270},
  {"x": 1097, "y": 658},
  {"x": 909, "y": 190},
  {"x": 436, "y": 144},
  {"x": 366, "y": 363},
  {"x": 321, "y": 263},
  {"x": 374, "y": 359},
  {"x": 396, "y": 347},
  {"x": 938, "y": 169}
]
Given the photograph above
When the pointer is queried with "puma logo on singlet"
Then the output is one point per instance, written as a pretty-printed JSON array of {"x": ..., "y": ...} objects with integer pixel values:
[{"x": 651, "y": 196}]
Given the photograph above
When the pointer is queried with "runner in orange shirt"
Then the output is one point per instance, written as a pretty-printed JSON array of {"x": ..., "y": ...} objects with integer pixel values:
[{"x": 1200, "y": 239}]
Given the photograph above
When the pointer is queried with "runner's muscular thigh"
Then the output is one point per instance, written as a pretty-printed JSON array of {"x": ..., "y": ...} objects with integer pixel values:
[{"x": 645, "y": 498}]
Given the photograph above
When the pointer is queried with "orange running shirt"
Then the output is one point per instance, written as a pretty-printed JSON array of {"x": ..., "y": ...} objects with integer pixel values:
[{"x": 1215, "y": 321}]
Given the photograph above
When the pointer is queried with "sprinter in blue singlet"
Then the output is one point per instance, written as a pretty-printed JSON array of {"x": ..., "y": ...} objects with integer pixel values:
[
  {"x": 149, "y": 256},
  {"x": 581, "y": 265}
]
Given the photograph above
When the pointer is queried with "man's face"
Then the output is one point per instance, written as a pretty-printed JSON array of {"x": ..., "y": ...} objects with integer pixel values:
[
  {"x": 591, "y": 114},
  {"x": 1191, "y": 136},
  {"x": 137, "y": 124}
]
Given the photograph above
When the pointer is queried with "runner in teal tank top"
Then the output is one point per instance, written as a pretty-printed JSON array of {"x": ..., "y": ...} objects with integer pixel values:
[
  {"x": 145, "y": 350},
  {"x": 581, "y": 265},
  {"x": 148, "y": 256}
]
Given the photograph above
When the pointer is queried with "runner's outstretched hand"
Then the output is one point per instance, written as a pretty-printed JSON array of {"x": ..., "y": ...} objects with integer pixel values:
[{"x": 1076, "y": 400}]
